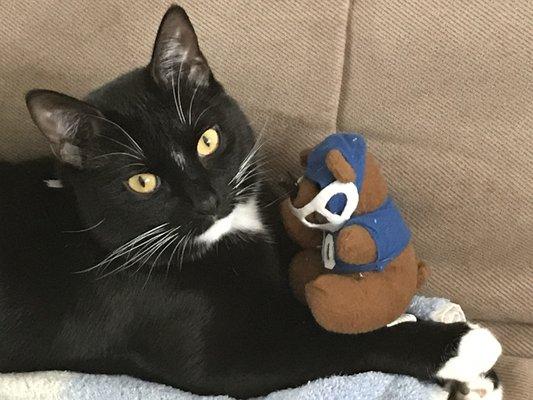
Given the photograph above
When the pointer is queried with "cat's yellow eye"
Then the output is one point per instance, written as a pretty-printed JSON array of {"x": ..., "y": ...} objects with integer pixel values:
[
  {"x": 143, "y": 183},
  {"x": 208, "y": 143}
]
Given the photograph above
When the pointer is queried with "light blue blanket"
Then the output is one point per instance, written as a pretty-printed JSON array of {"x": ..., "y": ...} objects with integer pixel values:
[{"x": 64, "y": 385}]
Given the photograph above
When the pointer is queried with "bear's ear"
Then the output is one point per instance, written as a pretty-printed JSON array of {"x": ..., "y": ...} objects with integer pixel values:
[
  {"x": 339, "y": 167},
  {"x": 374, "y": 188}
]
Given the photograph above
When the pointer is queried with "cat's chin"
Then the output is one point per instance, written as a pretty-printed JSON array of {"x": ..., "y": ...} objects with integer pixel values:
[{"x": 244, "y": 218}]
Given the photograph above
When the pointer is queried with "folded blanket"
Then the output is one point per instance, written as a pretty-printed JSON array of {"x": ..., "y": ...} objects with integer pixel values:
[{"x": 64, "y": 385}]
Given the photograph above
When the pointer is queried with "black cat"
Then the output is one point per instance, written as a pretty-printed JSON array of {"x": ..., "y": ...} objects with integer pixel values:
[{"x": 147, "y": 249}]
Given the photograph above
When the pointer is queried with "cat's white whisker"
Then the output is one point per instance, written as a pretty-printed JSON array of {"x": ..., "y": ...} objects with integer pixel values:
[
  {"x": 119, "y": 143},
  {"x": 169, "y": 243},
  {"x": 138, "y": 148},
  {"x": 127, "y": 250},
  {"x": 187, "y": 241},
  {"x": 254, "y": 169},
  {"x": 253, "y": 187},
  {"x": 86, "y": 229},
  {"x": 141, "y": 255},
  {"x": 114, "y": 254},
  {"x": 285, "y": 194},
  {"x": 132, "y": 164},
  {"x": 173, "y": 252},
  {"x": 118, "y": 153},
  {"x": 129, "y": 165},
  {"x": 248, "y": 160},
  {"x": 179, "y": 91},
  {"x": 200, "y": 116},
  {"x": 128, "y": 245},
  {"x": 178, "y": 107},
  {"x": 250, "y": 178},
  {"x": 148, "y": 249},
  {"x": 144, "y": 235},
  {"x": 166, "y": 242},
  {"x": 242, "y": 189},
  {"x": 153, "y": 250},
  {"x": 191, "y": 102}
]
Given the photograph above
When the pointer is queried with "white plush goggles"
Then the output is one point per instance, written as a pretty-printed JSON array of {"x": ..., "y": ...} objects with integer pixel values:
[{"x": 319, "y": 202}]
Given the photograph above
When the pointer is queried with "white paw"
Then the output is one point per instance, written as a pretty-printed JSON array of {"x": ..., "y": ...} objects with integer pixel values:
[
  {"x": 477, "y": 353},
  {"x": 448, "y": 313},
  {"x": 481, "y": 388}
]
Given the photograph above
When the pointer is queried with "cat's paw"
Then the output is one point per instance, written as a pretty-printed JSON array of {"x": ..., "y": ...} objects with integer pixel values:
[
  {"x": 448, "y": 313},
  {"x": 476, "y": 353},
  {"x": 485, "y": 387}
]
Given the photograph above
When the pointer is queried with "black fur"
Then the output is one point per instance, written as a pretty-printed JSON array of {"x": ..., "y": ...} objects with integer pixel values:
[{"x": 223, "y": 321}]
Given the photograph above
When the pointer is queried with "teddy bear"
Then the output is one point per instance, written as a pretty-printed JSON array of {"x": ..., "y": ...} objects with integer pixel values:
[{"x": 357, "y": 269}]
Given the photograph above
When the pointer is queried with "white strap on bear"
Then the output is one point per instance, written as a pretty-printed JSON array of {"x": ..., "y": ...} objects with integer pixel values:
[
  {"x": 319, "y": 202},
  {"x": 328, "y": 251}
]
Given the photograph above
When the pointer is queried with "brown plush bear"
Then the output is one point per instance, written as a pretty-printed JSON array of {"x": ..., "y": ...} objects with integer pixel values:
[{"x": 348, "y": 302}]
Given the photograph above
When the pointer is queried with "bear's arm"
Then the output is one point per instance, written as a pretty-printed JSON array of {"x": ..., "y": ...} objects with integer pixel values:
[{"x": 356, "y": 246}]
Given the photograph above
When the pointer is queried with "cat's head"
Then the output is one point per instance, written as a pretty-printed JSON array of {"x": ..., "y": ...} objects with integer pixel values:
[{"x": 162, "y": 151}]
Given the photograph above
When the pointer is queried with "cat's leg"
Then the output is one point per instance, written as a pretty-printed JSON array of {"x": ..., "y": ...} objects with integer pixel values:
[{"x": 425, "y": 350}]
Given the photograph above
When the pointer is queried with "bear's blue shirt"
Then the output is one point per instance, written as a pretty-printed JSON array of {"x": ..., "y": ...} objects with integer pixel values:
[{"x": 385, "y": 225}]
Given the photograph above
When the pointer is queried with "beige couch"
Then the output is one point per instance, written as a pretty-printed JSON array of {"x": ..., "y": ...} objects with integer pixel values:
[{"x": 443, "y": 90}]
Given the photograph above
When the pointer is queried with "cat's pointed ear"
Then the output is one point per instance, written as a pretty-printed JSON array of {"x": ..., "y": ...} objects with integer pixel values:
[
  {"x": 176, "y": 52},
  {"x": 66, "y": 122}
]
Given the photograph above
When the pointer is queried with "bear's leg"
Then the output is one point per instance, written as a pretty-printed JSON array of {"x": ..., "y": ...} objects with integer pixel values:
[{"x": 344, "y": 304}]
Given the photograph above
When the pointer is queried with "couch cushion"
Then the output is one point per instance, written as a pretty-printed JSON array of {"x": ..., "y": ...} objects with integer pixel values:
[
  {"x": 443, "y": 93},
  {"x": 517, "y": 379}
]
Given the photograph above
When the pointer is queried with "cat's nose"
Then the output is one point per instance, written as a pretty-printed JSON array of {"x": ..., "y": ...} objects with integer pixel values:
[{"x": 207, "y": 205}]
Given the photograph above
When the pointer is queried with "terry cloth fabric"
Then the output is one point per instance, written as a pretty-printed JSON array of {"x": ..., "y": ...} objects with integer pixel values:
[
  {"x": 64, "y": 385},
  {"x": 389, "y": 231}
]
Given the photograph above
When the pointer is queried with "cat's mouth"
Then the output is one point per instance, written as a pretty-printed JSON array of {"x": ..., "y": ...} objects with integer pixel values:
[{"x": 244, "y": 217}]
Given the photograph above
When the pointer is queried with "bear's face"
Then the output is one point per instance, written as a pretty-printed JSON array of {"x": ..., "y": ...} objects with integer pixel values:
[{"x": 372, "y": 194}]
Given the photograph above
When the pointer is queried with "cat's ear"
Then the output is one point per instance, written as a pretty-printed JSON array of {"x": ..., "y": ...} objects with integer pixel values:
[
  {"x": 66, "y": 122},
  {"x": 176, "y": 52}
]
